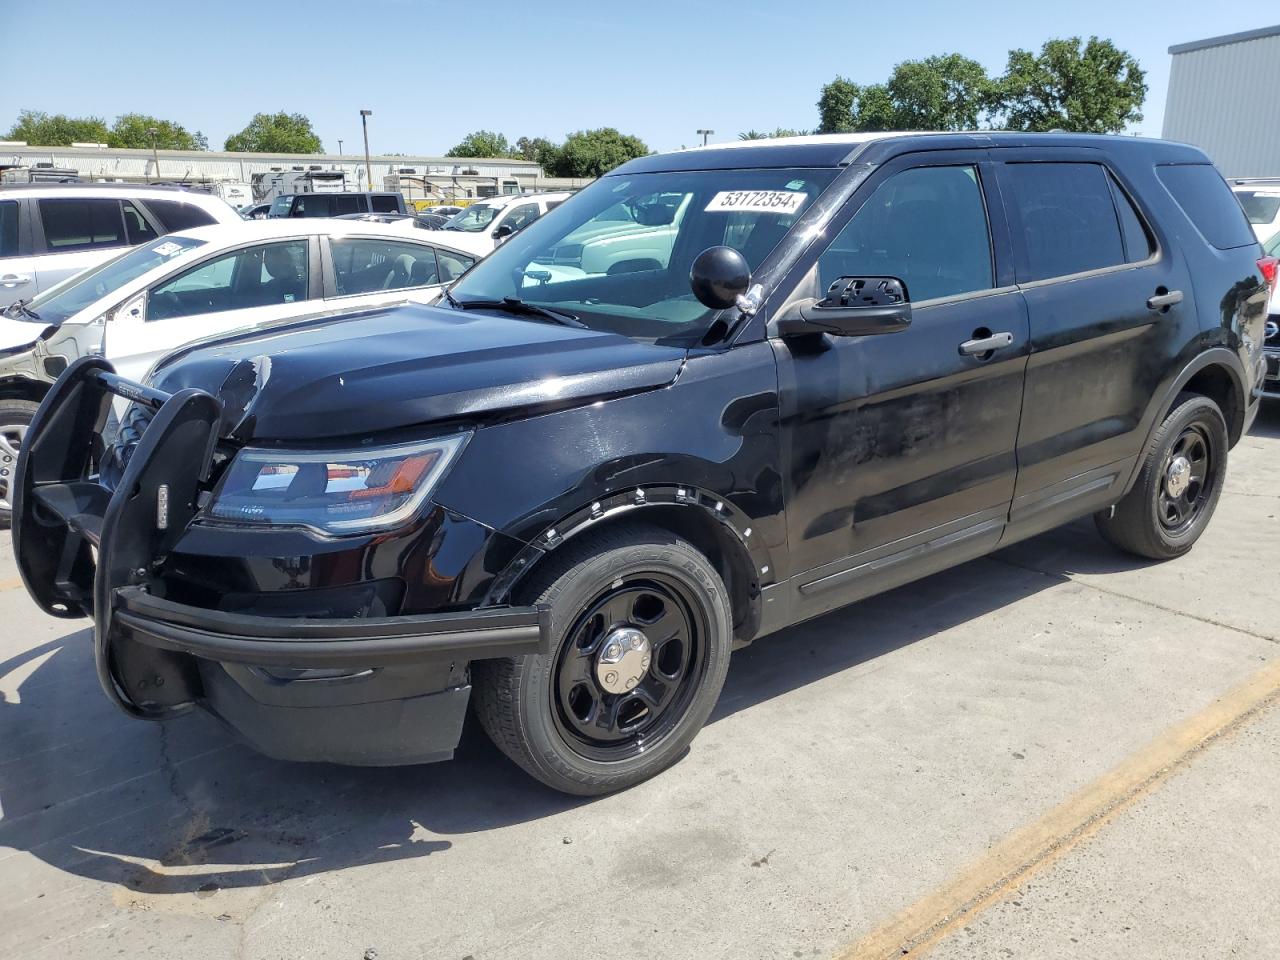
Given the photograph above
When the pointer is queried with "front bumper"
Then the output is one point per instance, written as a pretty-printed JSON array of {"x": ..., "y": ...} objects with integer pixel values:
[
  {"x": 1269, "y": 383},
  {"x": 353, "y": 689}
]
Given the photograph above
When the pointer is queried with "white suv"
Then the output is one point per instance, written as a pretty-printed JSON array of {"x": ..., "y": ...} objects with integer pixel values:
[
  {"x": 480, "y": 227},
  {"x": 49, "y": 231},
  {"x": 1261, "y": 201}
]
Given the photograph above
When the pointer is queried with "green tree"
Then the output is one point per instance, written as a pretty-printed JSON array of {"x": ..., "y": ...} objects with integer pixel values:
[
  {"x": 1094, "y": 88},
  {"x": 482, "y": 144},
  {"x": 777, "y": 132},
  {"x": 593, "y": 153},
  {"x": 835, "y": 106},
  {"x": 946, "y": 92},
  {"x": 131, "y": 130},
  {"x": 276, "y": 133},
  {"x": 57, "y": 130}
]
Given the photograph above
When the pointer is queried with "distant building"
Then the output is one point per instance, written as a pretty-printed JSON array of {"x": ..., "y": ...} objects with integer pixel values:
[{"x": 1222, "y": 98}]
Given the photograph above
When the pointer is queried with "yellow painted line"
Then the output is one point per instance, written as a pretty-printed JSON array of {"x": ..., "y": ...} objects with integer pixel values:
[
  {"x": 1026, "y": 852},
  {"x": 12, "y": 584}
]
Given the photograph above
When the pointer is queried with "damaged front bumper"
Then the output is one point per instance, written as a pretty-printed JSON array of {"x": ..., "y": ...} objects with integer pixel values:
[{"x": 358, "y": 690}]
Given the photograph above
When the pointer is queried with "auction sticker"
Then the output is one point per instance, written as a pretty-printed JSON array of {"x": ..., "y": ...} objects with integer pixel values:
[
  {"x": 168, "y": 248},
  {"x": 756, "y": 201}
]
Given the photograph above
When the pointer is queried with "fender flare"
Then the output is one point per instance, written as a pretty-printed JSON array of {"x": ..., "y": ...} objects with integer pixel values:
[
  {"x": 1159, "y": 408},
  {"x": 735, "y": 526}
]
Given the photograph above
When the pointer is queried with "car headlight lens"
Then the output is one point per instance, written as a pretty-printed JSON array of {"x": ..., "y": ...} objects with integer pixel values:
[{"x": 334, "y": 492}]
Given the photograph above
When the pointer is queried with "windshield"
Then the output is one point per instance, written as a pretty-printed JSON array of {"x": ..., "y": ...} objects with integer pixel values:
[
  {"x": 617, "y": 255},
  {"x": 1260, "y": 206},
  {"x": 71, "y": 296},
  {"x": 280, "y": 205},
  {"x": 473, "y": 219}
]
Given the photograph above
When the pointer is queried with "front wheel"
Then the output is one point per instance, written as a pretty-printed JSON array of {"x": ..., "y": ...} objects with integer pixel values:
[
  {"x": 15, "y": 417},
  {"x": 1175, "y": 495},
  {"x": 642, "y": 628}
]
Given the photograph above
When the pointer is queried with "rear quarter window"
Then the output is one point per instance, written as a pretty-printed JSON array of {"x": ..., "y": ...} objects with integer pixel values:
[
  {"x": 1208, "y": 202},
  {"x": 175, "y": 215}
]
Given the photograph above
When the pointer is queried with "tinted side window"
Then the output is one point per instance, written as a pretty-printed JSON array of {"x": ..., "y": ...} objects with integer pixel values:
[
  {"x": 81, "y": 224},
  {"x": 1206, "y": 199},
  {"x": 255, "y": 277},
  {"x": 384, "y": 203},
  {"x": 926, "y": 226},
  {"x": 1138, "y": 245},
  {"x": 341, "y": 203},
  {"x": 176, "y": 215},
  {"x": 367, "y": 266},
  {"x": 135, "y": 224},
  {"x": 1068, "y": 218},
  {"x": 8, "y": 228},
  {"x": 522, "y": 216},
  {"x": 312, "y": 205},
  {"x": 453, "y": 265}
]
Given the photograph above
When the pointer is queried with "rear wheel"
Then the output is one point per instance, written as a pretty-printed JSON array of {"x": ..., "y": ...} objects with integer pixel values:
[
  {"x": 1178, "y": 488},
  {"x": 642, "y": 629},
  {"x": 15, "y": 417}
]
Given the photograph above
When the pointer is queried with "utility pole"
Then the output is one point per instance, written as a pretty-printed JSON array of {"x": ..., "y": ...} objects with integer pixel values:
[
  {"x": 368, "y": 166},
  {"x": 151, "y": 131},
  {"x": 704, "y": 134},
  {"x": 339, "y": 148}
]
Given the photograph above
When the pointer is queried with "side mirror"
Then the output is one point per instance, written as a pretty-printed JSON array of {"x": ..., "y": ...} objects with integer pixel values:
[
  {"x": 853, "y": 307},
  {"x": 719, "y": 276},
  {"x": 503, "y": 231}
]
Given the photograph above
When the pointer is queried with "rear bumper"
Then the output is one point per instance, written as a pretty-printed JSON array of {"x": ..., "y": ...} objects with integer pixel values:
[{"x": 358, "y": 690}]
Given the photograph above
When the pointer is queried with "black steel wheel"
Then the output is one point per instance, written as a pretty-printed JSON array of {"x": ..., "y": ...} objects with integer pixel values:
[
  {"x": 1178, "y": 486},
  {"x": 15, "y": 418},
  {"x": 643, "y": 630}
]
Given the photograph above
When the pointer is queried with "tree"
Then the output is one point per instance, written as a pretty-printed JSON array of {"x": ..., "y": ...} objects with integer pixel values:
[
  {"x": 1097, "y": 89},
  {"x": 482, "y": 144},
  {"x": 57, "y": 130},
  {"x": 835, "y": 106},
  {"x": 939, "y": 93},
  {"x": 593, "y": 153},
  {"x": 777, "y": 132},
  {"x": 276, "y": 133},
  {"x": 132, "y": 130}
]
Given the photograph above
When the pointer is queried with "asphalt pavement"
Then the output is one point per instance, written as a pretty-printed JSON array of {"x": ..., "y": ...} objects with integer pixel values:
[{"x": 1056, "y": 751}]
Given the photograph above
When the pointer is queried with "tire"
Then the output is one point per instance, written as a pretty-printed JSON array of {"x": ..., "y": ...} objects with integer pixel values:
[
  {"x": 120, "y": 447},
  {"x": 555, "y": 715},
  {"x": 1150, "y": 521},
  {"x": 15, "y": 417}
]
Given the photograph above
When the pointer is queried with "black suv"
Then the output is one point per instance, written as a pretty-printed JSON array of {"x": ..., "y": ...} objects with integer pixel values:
[
  {"x": 335, "y": 204},
  {"x": 716, "y": 393}
]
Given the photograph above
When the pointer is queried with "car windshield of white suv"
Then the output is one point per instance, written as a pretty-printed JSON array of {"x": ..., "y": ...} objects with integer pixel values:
[
  {"x": 71, "y": 296},
  {"x": 616, "y": 256},
  {"x": 473, "y": 219},
  {"x": 1260, "y": 206}
]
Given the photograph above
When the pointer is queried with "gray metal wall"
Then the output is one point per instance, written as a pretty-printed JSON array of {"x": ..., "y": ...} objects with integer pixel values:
[{"x": 1225, "y": 99}]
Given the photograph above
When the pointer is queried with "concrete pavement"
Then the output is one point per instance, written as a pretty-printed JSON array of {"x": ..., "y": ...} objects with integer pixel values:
[{"x": 855, "y": 766}]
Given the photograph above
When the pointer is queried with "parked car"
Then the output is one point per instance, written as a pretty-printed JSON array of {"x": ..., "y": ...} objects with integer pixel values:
[
  {"x": 50, "y": 231},
  {"x": 865, "y": 358},
  {"x": 445, "y": 210},
  {"x": 335, "y": 204},
  {"x": 430, "y": 221},
  {"x": 1271, "y": 346},
  {"x": 1261, "y": 202},
  {"x": 255, "y": 211},
  {"x": 376, "y": 217},
  {"x": 190, "y": 285},
  {"x": 485, "y": 224}
]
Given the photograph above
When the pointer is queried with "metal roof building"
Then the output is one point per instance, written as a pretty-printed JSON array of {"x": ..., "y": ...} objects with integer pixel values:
[{"x": 1222, "y": 98}]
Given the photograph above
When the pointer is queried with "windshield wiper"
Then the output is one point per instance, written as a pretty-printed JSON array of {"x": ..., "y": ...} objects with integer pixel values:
[
  {"x": 520, "y": 308},
  {"x": 22, "y": 308}
]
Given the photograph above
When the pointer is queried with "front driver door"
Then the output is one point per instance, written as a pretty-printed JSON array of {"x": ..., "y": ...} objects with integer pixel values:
[
  {"x": 242, "y": 288},
  {"x": 899, "y": 448}
]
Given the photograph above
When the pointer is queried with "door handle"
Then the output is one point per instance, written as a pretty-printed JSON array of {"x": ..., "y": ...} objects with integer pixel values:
[
  {"x": 996, "y": 341},
  {"x": 13, "y": 280},
  {"x": 1161, "y": 300}
]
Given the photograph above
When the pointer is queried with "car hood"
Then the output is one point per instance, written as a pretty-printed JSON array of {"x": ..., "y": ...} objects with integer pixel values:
[
  {"x": 16, "y": 335},
  {"x": 380, "y": 370}
]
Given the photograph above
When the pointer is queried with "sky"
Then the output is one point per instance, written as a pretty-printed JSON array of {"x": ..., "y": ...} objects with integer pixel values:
[{"x": 433, "y": 70}]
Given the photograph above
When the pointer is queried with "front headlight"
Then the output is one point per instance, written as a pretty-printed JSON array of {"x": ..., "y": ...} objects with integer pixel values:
[{"x": 334, "y": 492}]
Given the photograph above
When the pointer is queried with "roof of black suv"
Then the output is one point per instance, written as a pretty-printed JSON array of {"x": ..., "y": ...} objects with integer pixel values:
[{"x": 840, "y": 149}]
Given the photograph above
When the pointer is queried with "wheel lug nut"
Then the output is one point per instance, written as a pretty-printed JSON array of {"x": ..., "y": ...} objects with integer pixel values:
[
  {"x": 631, "y": 682},
  {"x": 613, "y": 651},
  {"x": 635, "y": 642},
  {"x": 611, "y": 677}
]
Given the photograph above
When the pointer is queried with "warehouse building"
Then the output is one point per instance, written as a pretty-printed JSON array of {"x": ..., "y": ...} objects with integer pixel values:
[
  {"x": 1222, "y": 94},
  {"x": 442, "y": 177}
]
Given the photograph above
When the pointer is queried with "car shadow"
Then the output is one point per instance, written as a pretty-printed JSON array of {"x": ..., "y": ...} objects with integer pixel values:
[
  {"x": 181, "y": 807},
  {"x": 1267, "y": 423}
]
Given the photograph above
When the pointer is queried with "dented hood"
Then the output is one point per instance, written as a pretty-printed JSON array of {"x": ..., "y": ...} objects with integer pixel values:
[{"x": 408, "y": 365}]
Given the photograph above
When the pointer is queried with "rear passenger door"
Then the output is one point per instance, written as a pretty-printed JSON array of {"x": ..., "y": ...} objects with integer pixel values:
[
  {"x": 17, "y": 268},
  {"x": 1105, "y": 302}
]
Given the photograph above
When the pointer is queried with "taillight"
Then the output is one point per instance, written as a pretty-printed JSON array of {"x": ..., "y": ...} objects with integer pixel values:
[{"x": 1270, "y": 267}]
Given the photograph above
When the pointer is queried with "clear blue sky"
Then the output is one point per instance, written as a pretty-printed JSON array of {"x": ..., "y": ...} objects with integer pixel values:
[{"x": 657, "y": 68}]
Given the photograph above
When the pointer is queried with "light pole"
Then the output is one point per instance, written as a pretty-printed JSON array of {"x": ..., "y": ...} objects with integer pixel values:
[
  {"x": 704, "y": 134},
  {"x": 368, "y": 167},
  {"x": 151, "y": 132},
  {"x": 339, "y": 148}
]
